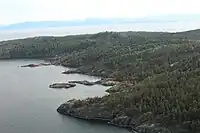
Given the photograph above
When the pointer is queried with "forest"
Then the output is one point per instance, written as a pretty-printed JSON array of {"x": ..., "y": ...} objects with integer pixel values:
[{"x": 163, "y": 69}]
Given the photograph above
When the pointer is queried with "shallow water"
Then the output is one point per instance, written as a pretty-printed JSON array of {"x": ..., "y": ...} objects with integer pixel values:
[{"x": 27, "y": 105}]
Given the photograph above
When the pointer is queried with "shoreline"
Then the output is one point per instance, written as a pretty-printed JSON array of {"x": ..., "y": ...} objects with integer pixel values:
[
  {"x": 125, "y": 122},
  {"x": 144, "y": 126}
]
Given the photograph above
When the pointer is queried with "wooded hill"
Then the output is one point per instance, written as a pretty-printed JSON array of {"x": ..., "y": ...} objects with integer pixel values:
[{"x": 164, "y": 66}]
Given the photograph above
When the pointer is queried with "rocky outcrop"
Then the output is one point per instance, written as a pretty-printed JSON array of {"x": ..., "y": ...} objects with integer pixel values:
[
  {"x": 62, "y": 85},
  {"x": 37, "y": 65},
  {"x": 107, "y": 82},
  {"x": 45, "y": 64},
  {"x": 84, "y": 82},
  {"x": 95, "y": 110},
  {"x": 31, "y": 65},
  {"x": 73, "y": 71},
  {"x": 151, "y": 128},
  {"x": 80, "y": 110},
  {"x": 104, "y": 82}
]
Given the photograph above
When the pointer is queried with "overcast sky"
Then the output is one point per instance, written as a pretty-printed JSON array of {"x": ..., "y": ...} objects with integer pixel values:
[{"x": 13, "y": 11}]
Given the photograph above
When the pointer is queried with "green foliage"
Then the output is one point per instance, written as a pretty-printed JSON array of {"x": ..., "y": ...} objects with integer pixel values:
[{"x": 164, "y": 66}]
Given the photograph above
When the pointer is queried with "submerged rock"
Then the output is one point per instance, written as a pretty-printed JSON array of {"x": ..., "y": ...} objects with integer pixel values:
[{"x": 62, "y": 85}]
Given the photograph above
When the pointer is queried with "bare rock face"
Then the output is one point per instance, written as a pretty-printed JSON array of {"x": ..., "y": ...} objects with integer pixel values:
[{"x": 62, "y": 85}]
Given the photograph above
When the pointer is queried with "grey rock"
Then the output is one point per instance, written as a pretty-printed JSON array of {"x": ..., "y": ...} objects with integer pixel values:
[
  {"x": 80, "y": 110},
  {"x": 62, "y": 85},
  {"x": 151, "y": 128},
  {"x": 83, "y": 82},
  {"x": 74, "y": 71},
  {"x": 107, "y": 82}
]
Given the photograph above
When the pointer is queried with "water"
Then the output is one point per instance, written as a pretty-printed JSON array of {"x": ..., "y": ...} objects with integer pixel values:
[
  {"x": 74, "y": 30},
  {"x": 27, "y": 105}
]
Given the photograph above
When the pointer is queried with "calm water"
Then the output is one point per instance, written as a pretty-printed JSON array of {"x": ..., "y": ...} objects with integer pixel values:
[
  {"x": 74, "y": 30},
  {"x": 27, "y": 105}
]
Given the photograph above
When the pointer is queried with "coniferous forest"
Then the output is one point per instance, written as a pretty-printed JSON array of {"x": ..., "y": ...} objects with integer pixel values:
[{"x": 160, "y": 70}]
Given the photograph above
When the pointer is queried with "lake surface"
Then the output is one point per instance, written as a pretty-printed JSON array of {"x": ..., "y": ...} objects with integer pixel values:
[{"x": 27, "y": 105}]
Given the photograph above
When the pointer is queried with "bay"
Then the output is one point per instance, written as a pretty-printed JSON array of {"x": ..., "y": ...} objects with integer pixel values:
[{"x": 28, "y": 105}]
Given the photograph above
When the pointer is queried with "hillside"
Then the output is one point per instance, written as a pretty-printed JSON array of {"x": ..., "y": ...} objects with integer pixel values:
[{"x": 161, "y": 72}]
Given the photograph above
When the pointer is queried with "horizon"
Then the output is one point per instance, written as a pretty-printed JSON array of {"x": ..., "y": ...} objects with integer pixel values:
[
  {"x": 67, "y": 10},
  {"x": 29, "y": 18},
  {"x": 79, "y": 30},
  {"x": 163, "y": 17}
]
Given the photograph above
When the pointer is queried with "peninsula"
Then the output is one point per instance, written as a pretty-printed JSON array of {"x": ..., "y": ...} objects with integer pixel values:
[{"x": 158, "y": 75}]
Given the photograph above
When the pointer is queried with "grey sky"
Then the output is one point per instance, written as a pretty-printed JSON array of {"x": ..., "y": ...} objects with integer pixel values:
[{"x": 13, "y": 11}]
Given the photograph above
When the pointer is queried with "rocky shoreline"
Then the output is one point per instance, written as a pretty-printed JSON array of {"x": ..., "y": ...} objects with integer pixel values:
[
  {"x": 96, "y": 112},
  {"x": 104, "y": 82}
]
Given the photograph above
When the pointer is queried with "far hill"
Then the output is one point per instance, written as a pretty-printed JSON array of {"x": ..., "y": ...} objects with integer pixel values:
[
  {"x": 100, "y": 21},
  {"x": 51, "y": 46}
]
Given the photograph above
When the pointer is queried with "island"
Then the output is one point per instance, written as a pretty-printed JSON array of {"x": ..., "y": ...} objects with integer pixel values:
[
  {"x": 37, "y": 65},
  {"x": 154, "y": 76},
  {"x": 62, "y": 85}
]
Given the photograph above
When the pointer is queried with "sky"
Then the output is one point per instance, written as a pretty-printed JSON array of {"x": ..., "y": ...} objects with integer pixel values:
[{"x": 15, "y": 11}]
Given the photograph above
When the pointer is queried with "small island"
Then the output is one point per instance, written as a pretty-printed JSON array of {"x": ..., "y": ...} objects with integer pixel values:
[
  {"x": 62, "y": 85},
  {"x": 36, "y": 65}
]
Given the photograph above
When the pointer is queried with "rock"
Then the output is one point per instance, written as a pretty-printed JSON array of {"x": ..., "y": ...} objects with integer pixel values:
[
  {"x": 45, "y": 64},
  {"x": 83, "y": 82},
  {"x": 31, "y": 65},
  {"x": 151, "y": 128},
  {"x": 123, "y": 121},
  {"x": 74, "y": 71},
  {"x": 119, "y": 87},
  {"x": 95, "y": 110},
  {"x": 62, "y": 85},
  {"x": 80, "y": 109},
  {"x": 107, "y": 82},
  {"x": 104, "y": 82}
]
